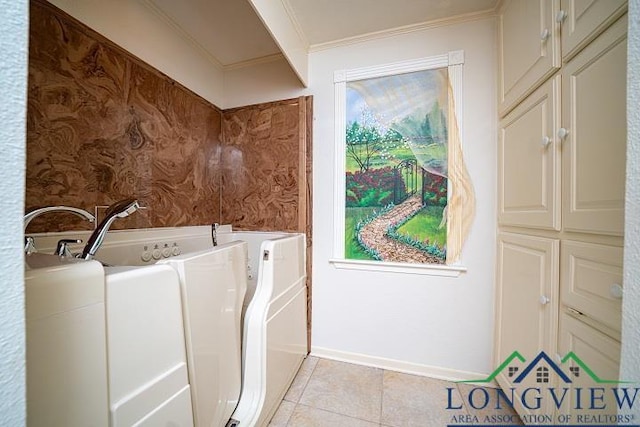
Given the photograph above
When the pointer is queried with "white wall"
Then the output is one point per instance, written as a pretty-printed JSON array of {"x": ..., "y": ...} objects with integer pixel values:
[
  {"x": 433, "y": 325},
  {"x": 13, "y": 86},
  {"x": 287, "y": 35},
  {"x": 630, "y": 368},
  {"x": 270, "y": 81},
  {"x": 420, "y": 321},
  {"x": 138, "y": 28}
]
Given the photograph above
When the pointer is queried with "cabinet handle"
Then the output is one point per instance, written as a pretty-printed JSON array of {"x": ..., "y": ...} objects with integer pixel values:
[
  {"x": 562, "y": 133},
  {"x": 616, "y": 291},
  {"x": 544, "y": 35},
  {"x": 546, "y": 141},
  {"x": 561, "y": 15},
  {"x": 544, "y": 300}
]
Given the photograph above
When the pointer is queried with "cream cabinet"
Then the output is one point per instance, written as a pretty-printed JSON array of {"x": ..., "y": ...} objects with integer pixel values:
[
  {"x": 529, "y": 161},
  {"x": 591, "y": 281},
  {"x": 536, "y": 36},
  {"x": 594, "y": 131},
  {"x": 597, "y": 351},
  {"x": 527, "y": 289},
  {"x": 561, "y": 175},
  {"x": 528, "y": 47},
  {"x": 582, "y": 20},
  {"x": 565, "y": 144}
]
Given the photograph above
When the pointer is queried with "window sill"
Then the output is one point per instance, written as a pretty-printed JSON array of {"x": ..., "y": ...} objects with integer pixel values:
[{"x": 397, "y": 267}]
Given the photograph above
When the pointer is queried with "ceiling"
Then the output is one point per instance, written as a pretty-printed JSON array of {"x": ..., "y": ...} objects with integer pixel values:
[
  {"x": 229, "y": 30},
  {"x": 324, "y": 21},
  {"x": 232, "y": 33}
]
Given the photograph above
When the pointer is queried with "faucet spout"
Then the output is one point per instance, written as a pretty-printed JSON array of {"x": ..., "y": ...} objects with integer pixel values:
[
  {"x": 37, "y": 212},
  {"x": 120, "y": 209},
  {"x": 30, "y": 247}
]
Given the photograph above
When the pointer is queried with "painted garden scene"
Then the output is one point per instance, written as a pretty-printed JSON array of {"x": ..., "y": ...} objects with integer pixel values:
[{"x": 396, "y": 168}]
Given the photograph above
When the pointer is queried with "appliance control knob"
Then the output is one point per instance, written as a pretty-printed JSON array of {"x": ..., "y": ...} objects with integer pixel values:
[
  {"x": 146, "y": 256},
  {"x": 156, "y": 254},
  {"x": 176, "y": 251}
]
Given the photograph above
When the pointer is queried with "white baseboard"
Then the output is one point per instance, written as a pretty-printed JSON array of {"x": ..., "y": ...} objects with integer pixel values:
[{"x": 436, "y": 372}]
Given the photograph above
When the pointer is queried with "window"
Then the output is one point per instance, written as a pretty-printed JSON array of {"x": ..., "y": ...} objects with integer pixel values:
[
  {"x": 397, "y": 145},
  {"x": 542, "y": 374}
]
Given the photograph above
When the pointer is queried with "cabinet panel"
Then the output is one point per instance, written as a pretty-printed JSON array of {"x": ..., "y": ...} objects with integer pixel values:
[
  {"x": 584, "y": 20},
  {"x": 527, "y": 272},
  {"x": 599, "y": 352},
  {"x": 527, "y": 303},
  {"x": 591, "y": 280},
  {"x": 529, "y": 161},
  {"x": 529, "y": 48},
  {"x": 593, "y": 153}
]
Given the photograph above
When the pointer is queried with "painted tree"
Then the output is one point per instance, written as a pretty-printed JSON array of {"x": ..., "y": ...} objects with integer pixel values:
[{"x": 365, "y": 142}]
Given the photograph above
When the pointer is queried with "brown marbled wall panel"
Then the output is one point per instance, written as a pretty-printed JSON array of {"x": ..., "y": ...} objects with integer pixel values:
[
  {"x": 266, "y": 171},
  {"x": 102, "y": 125},
  {"x": 264, "y": 166}
]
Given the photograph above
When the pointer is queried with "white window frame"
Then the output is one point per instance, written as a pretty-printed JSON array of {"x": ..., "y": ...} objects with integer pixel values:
[{"x": 454, "y": 61}]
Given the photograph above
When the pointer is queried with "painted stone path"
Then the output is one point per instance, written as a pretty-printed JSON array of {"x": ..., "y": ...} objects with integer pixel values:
[{"x": 374, "y": 236}]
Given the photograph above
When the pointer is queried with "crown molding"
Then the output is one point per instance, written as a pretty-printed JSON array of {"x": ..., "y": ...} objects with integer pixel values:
[
  {"x": 253, "y": 62},
  {"x": 458, "y": 19},
  {"x": 500, "y": 4},
  {"x": 296, "y": 24},
  {"x": 149, "y": 4}
]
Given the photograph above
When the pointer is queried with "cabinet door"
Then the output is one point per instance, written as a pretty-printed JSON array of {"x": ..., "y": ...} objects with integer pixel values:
[
  {"x": 529, "y": 48},
  {"x": 527, "y": 303},
  {"x": 584, "y": 20},
  {"x": 529, "y": 161},
  {"x": 597, "y": 352},
  {"x": 591, "y": 281},
  {"x": 594, "y": 150}
]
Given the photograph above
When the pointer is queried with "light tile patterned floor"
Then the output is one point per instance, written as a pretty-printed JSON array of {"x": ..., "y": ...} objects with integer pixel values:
[{"x": 326, "y": 393}]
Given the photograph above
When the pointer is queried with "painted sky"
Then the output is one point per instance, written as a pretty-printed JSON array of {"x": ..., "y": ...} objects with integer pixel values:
[
  {"x": 393, "y": 98},
  {"x": 405, "y": 103}
]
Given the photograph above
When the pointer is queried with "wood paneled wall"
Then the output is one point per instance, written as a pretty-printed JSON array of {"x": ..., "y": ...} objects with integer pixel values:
[{"x": 103, "y": 125}]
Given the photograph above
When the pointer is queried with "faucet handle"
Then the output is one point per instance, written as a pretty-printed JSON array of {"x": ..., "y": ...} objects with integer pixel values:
[
  {"x": 29, "y": 245},
  {"x": 62, "y": 249}
]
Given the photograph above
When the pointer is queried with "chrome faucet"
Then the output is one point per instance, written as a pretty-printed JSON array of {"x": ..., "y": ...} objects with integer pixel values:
[
  {"x": 120, "y": 209},
  {"x": 29, "y": 243}
]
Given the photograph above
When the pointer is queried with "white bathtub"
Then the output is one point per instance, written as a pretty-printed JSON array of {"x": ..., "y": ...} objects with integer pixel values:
[
  {"x": 270, "y": 266},
  {"x": 275, "y": 328}
]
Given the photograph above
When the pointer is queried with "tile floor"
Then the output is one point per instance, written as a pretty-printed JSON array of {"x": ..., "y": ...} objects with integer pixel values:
[{"x": 327, "y": 393}]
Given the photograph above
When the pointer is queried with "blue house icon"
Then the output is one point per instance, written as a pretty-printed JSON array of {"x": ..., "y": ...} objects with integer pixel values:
[{"x": 541, "y": 364}]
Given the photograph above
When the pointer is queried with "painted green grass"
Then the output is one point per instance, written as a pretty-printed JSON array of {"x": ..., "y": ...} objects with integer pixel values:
[
  {"x": 425, "y": 226},
  {"x": 352, "y": 249}
]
